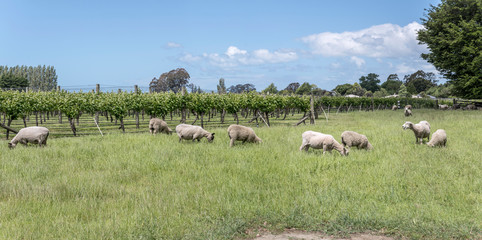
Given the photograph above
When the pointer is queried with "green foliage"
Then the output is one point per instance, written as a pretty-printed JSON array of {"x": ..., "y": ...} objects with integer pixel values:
[
  {"x": 403, "y": 92},
  {"x": 453, "y": 32},
  {"x": 356, "y": 90},
  {"x": 392, "y": 85},
  {"x": 305, "y": 88},
  {"x": 221, "y": 86},
  {"x": 11, "y": 81},
  {"x": 272, "y": 89},
  {"x": 342, "y": 89},
  {"x": 381, "y": 93},
  {"x": 370, "y": 82},
  {"x": 441, "y": 91},
  {"x": 419, "y": 81}
]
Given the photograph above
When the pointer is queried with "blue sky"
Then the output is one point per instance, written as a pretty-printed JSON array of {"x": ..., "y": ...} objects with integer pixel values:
[{"x": 123, "y": 43}]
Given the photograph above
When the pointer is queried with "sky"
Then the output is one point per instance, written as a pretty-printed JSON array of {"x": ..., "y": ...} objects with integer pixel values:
[{"x": 118, "y": 44}]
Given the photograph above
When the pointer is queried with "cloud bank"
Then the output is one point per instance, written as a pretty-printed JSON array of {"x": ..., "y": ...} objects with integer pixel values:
[
  {"x": 386, "y": 40},
  {"x": 234, "y": 56}
]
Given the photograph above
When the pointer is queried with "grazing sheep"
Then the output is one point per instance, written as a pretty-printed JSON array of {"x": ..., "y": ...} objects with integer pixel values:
[
  {"x": 421, "y": 130},
  {"x": 157, "y": 125},
  {"x": 242, "y": 133},
  {"x": 350, "y": 138},
  {"x": 26, "y": 135},
  {"x": 318, "y": 140},
  {"x": 443, "y": 106},
  {"x": 394, "y": 107},
  {"x": 188, "y": 132},
  {"x": 471, "y": 107},
  {"x": 408, "y": 112},
  {"x": 408, "y": 107},
  {"x": 439, "y": 138}
]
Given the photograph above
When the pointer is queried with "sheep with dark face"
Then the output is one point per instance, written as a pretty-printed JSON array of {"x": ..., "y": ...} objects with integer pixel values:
[
  {"x": 36, "y": 135},
  {"x": 157, "y": 125},
  {"x": 318, "y": 140},
  {"x": 242, "y": 133},
  {"x": 439, "y": 138},
  {"x": 421, "y": 130},
  {"x": 350, "y": 138},
  {"x": 191, "y": 132}
]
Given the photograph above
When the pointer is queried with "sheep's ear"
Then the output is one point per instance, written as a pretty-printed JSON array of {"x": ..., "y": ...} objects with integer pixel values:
[{"x": 213, "y": 134}]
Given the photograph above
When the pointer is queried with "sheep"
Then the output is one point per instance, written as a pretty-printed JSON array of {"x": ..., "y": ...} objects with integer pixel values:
[
  {"x": 408, "y": 112},
  {"x": 443, "y": 106},
  {"x": 471, "y": 107},
  {"x": 350, "y": 138},
  {"x": 242, "y": 133},
  {"x": 318, "y": 140},
  {"x": 157, "y": 125},
  {"x": 408, "y": 107},
  {"x": 394, "y": 107},
  {"x": 26, "y": 135},
  {"x": 421, "y": 130},
  {"x": 188, "y": 132},
  {"x": 439, "y": 138}
]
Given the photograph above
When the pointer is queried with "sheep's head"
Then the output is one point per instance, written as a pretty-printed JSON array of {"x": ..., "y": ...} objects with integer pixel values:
[
  {"x": 345, "y": 152},
  {"x": 210, "y": 137},
  {"x": 407, "y": 125},
  {"x": 11, "y": 145},
  {"x": 258, "y": 140}
]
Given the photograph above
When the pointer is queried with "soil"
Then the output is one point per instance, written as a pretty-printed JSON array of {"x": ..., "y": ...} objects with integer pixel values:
[{"x": 298, "y": 235}]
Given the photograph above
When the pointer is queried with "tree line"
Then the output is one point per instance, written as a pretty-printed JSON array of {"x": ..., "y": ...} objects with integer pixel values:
[{"x": 40, "y": 78}]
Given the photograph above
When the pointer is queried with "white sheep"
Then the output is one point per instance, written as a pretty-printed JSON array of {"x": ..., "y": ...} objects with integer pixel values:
[
  {"x": 188, "y": 132},
  {"x": 443, "y": 106},
  {"x": 350, "y": 138},
  {"x": 157, "y": 125},
  {"x": 408, "y": 107},
  {"x": 37, "y": 135},
  {"x": 318, "y": 140},
  {"x": 407, "y": 112},
  {"x": 439, "y": 138},
  {"x": 394, "y": 107},
  {"x": 421, "y": 130},
  {"x": 242, "y": 133}
]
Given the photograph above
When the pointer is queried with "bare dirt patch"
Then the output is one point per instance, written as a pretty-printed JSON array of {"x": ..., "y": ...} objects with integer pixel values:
[{"x": 297, "y": 234}]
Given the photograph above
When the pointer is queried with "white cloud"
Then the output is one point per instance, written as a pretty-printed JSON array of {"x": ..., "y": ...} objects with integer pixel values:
[
  {"x": 358, "y": 61},
  {"x": 386, "y": 40},
  {"x": 173, "y": 45},
  {"x": 235, "y": 57},
  {"x": 232, "y": 51}
]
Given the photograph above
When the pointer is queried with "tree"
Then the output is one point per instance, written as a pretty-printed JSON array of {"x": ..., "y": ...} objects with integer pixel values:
[
  {"x": 221, "y": 86},
  {"x": 271, "y": 89},
  {"x": 370, "y": 82},
  {"x": 402, "y": 92},
  {"x": 292, "y": 87},
  {"x": 240, "y": 88},
  {"x": 342, "y": 89},
  {"x": 305, "y": 88},
  {"x": 11, "y": 81},
  {"x": 173, "y": 80},
  {"x": 356, "y": 89},
  {"x": 381, "y": 93},
  {"x": 392, "y": 84},
  {"x": 441, "y": 91},
  {"x": 42, "y": 78},
  {"x": 453, "y": 33},
  {"x": 419, "y": 81}
]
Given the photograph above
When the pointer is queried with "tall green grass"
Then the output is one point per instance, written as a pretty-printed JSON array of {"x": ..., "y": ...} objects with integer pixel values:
[{"x": 138, "y": 186}]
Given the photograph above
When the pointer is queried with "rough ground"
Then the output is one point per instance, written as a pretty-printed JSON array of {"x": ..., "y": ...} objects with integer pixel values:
[{"x": 296, "y": 234}]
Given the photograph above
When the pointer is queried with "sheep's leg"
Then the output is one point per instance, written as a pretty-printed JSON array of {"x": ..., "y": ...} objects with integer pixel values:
[{"x": 231, "y": 143}]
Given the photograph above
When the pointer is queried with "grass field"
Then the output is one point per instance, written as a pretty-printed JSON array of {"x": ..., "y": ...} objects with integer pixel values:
[{"x": 138, "y": 186}]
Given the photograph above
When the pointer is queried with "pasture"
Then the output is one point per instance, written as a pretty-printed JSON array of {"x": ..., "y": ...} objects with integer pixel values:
[{"x": 139, "y": 186}]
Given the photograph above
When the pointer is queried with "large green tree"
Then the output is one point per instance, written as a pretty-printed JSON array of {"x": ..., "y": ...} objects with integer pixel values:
[
  {"x": 370, "y": 82},
  {"x": 392, "y": 84},
  {"x": 342, "y": 88},
  {"x": 270, "y": 89},
  {"x": 419, "y": 81},
  {"x": 453, "y": 33}
]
